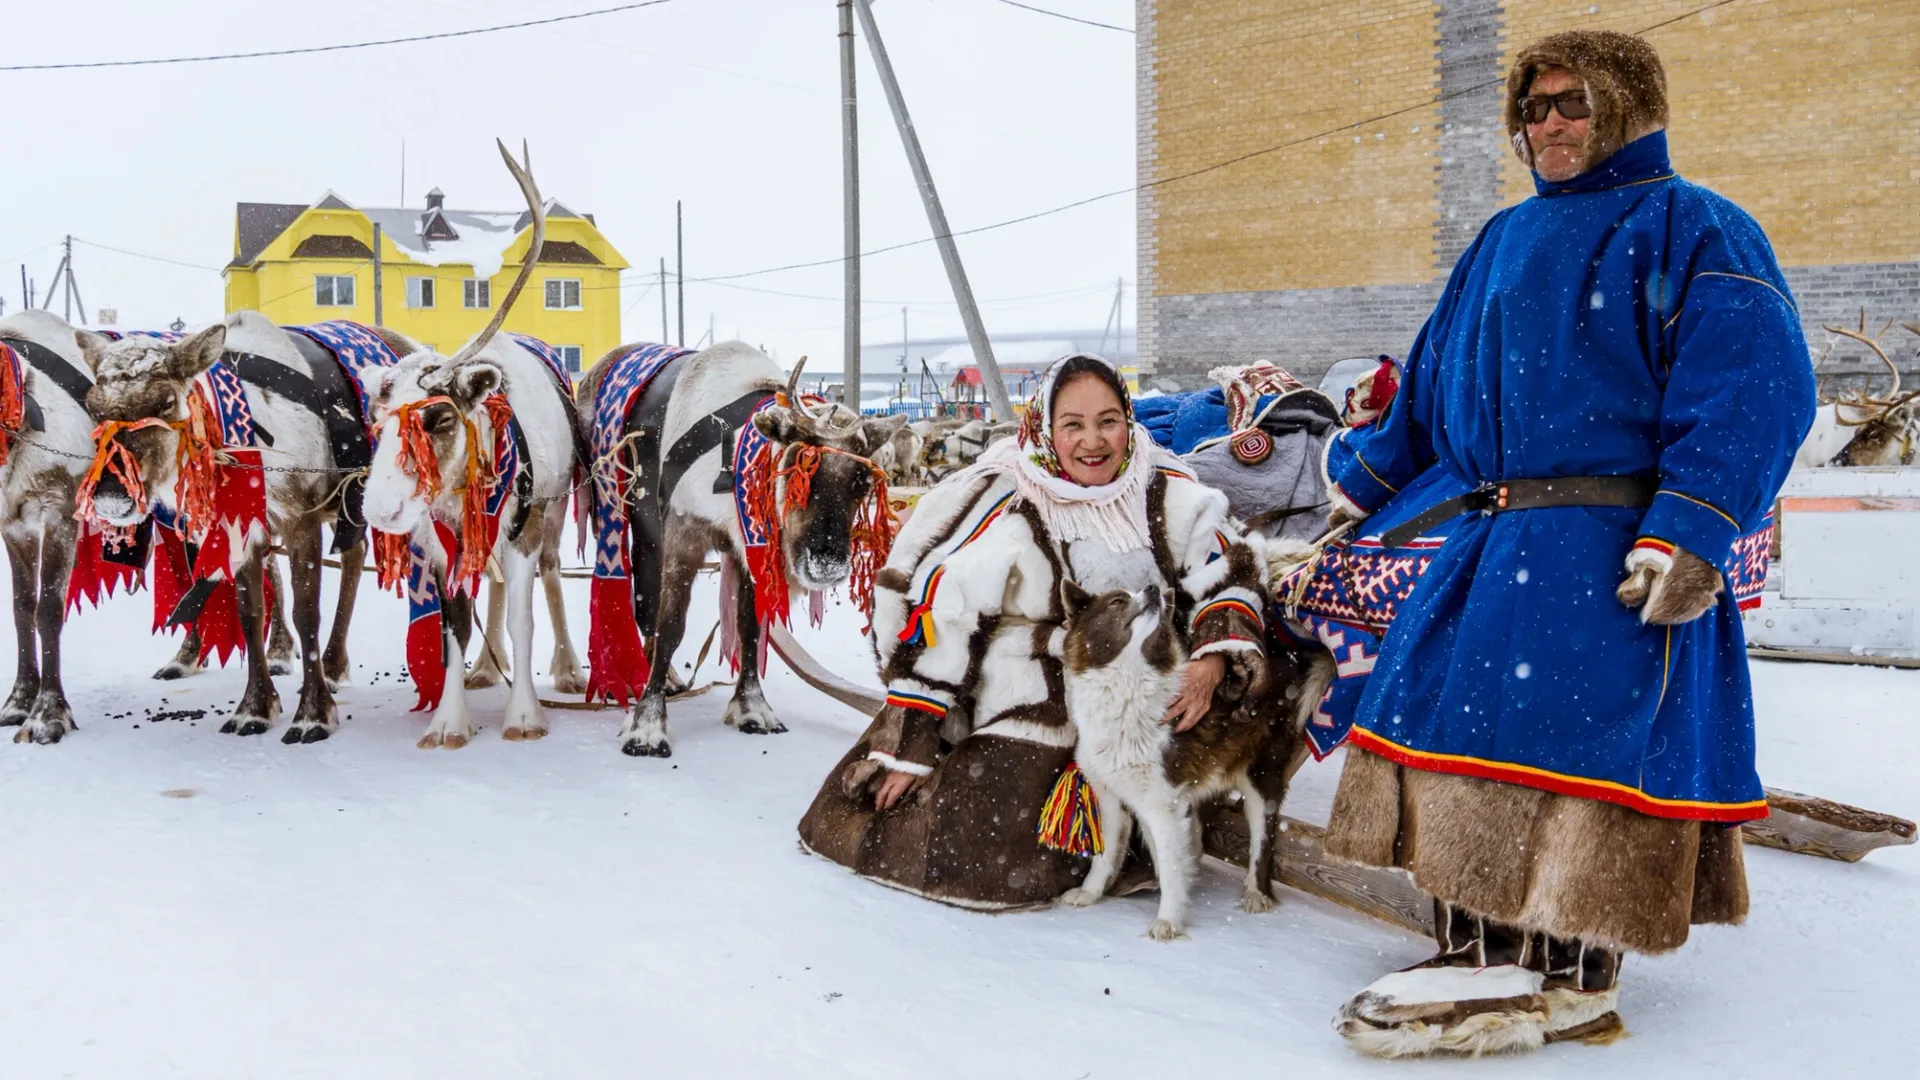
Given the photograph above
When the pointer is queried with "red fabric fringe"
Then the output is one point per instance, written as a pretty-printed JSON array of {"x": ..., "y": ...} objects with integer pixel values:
[
  {"x": 616, "y": 658},
  {"x": 93, "y": 574}
]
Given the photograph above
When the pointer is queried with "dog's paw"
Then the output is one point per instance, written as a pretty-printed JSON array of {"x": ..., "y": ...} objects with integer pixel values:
[
  {"x": 1079, "y": 898},
  {"x": 1255, "y": 902},
  {"x": 1162, "y": 930}
]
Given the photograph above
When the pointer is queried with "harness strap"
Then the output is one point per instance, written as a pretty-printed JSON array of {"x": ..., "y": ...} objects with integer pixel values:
[
  {"x": 1501, "y": 496},
  {"x": 58, "y": 371}
]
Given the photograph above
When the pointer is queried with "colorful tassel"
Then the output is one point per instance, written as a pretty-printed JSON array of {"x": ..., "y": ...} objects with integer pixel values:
[{"x": 1070, "y": 820}]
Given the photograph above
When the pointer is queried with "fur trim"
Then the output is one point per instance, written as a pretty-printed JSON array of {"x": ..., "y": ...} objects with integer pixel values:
[
  {"x": 1684, "y": 593},
  {"x": 1624, "y": 79},
  {"x": 1447, "y": 1010},
  {"x": 1568, "y": 1008},
  {"x": 894, "y": 764},
  {"x": 1337, "y": 498}
]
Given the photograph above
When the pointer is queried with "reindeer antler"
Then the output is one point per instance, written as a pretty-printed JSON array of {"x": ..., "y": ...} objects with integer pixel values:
[
  {"x": 523, "y": 175},
  {"x": 1871, "y": 343}
]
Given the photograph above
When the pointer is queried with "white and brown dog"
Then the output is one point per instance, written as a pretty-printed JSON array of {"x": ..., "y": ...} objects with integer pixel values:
[{"x": 1123, "y": 664}]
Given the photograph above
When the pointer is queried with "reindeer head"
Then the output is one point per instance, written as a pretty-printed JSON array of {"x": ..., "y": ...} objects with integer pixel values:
[
  {"x": 824, "y": 483},
  {"x": 148, "y": 418},
  {"x": 1886, "y": 436},
  {"x": 435, "y": 416}
]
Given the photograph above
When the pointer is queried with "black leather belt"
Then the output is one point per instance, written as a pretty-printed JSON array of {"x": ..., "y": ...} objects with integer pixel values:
[{"x": 1500, "y": 496}]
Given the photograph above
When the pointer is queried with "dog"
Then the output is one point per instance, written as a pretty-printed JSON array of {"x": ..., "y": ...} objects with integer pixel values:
[{"x": 1122, "y": 666}]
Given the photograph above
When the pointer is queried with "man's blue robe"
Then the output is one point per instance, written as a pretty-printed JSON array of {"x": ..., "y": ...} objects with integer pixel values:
[{"x": 1625, "y": 322}]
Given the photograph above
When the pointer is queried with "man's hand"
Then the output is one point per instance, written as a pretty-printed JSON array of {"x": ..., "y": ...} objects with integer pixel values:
[
  {"x": 1197, "y": 684},
  {"x": 1669, "y": 590}
]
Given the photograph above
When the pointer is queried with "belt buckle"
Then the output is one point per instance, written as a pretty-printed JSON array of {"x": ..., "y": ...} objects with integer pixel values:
[{"x": 1489, "y": 498}]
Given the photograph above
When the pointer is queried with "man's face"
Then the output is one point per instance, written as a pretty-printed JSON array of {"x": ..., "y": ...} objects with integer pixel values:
[{"x": 1559, "y": 145}]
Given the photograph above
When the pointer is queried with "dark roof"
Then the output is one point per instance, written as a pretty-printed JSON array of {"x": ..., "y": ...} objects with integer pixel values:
[
  {"x": 259, "y": 224},
  {"x": 566, "y": 251},
  {"x": 332, "y": 246}
]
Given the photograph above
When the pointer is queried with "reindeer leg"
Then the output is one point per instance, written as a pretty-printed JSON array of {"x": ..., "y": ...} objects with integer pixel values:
[
  {"x": 645, "y": 732},
  {"x": 52, "y": 717},
  {"x": 524, "y": 718},
  {"x": 748, "y": 711},
  {"x": 334, "y": 664},
  {"x": 565, "y": 668},
  {"x": 23, "y": 554},
  {"x": 452, "y": 724},
  {"x": 316, "y": 716},
  {"x": 486, "y": 667},
  {"x": 260, "y": 704},
  {"x": 279, "y": 640},
  {"x": 185, "y": 662}
]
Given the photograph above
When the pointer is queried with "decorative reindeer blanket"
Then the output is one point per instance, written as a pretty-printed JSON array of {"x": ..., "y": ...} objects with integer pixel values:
[{"x": 616, "y": 659}]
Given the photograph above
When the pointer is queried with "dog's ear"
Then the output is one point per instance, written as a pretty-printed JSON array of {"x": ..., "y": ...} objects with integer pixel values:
[{"x": 1073, "y": 597}]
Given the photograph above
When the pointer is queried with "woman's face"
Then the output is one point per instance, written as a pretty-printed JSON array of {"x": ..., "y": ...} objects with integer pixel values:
[{"x": 1089, "y": 431}]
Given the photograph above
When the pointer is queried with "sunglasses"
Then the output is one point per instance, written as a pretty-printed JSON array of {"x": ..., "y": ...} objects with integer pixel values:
[{"x": 1571, "y": 104}]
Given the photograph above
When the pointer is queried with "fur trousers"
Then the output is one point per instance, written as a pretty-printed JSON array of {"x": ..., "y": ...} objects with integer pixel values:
[
  {"x": 1568, "y": 867},
  {"x": 966, "y": 835}
]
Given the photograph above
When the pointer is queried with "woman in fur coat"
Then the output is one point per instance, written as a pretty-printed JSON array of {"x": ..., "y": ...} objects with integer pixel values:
[
  {"x": 943, "y": 794},
  {"x": 1557, "y": 738}
]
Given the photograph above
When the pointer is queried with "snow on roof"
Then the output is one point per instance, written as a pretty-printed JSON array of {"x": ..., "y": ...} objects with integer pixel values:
[{"x": 485, "y": 236}]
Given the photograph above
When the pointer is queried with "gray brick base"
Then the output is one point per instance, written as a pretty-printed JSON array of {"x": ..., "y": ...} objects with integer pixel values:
[{"x": 1306, "y": 330}]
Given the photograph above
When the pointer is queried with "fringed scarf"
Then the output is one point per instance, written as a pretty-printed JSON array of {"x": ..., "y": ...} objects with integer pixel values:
[
  {"x": 403, "y": 563},
  {"x": 219, "y": 508},
  {"x": 13, "y": 398}
]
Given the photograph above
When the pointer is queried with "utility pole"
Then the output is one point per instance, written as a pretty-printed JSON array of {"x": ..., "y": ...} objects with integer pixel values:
[
  {"x": 663, "y": 300},
  {"x": 379, "y": 311},
  {"x": 937, "y": 218},
  {"x": 1113, "y": 317},
  {"x": 680, "y": 272},
  {"x": 905, "y": 351},
  {"x": 850, "y": 212},
  {"x": 70, "y": 290},
  {"x": 26, "y": 290}
]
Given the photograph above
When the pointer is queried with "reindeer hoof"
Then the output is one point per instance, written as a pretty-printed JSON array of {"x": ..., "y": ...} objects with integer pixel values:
[
  {"x": 230, "y": 727},
  {"x": 642, "y": 748},
  {"x": 13, "y": 718},
  {"x": 1162, "y": 930},
  {"x": 482, "y": 678},
  {"x": 570, "y": 683},
  {"x": 177, "y": 671},
  {"x": 756, "y": 727},
  {"x": 1255, "y": 902},
  {"x": 453, "y": 740},
  {"x": 429, "y": 741},
  {"x": 1078, "y": 898},
  {"x": 279, "y": 667},
  {"x": 254, "y": 725},
  {"x": 516, "y": 733}
]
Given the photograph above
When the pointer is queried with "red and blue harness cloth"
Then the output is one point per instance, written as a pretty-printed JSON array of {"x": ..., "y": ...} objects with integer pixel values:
[
  {"x": 239, "y": 514},
  {"x": 616, "y": 658},
  {"x": 1351, "y": 594}
]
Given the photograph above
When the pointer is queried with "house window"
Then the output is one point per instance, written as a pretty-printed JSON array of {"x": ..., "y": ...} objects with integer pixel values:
[
  {"x": 419, "y": 292},
  {"x": 563, "y": 294},
  {"x": 479, "y": 293},
  {"x": 332, "y": 290},
  {"x": 570, "y": 356}
]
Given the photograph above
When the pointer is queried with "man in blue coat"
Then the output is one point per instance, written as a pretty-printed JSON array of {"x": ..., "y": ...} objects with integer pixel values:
[{"x": 1557, "y": 739}]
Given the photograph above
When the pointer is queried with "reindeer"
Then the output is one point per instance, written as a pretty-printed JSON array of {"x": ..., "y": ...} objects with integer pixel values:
[
  {"x": 433, "y": 414},
  {"x": 142, "y": 388},
  {"x": 682, "y": 431},
  {"x": 47, "y": 450},
  {"x": 1863, "y": 428}
]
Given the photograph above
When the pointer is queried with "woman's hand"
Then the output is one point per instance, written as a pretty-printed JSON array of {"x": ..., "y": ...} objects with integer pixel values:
[
  {"x": 1197, "y": 684},
  {"x": 892, "y": 788}
]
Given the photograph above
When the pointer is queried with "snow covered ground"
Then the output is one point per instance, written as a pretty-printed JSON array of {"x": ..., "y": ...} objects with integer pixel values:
[{"x": 179, "y": 903}]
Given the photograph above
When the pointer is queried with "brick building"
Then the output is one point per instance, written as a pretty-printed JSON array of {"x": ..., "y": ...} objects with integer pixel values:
[{"x": 1309, "y": 171}]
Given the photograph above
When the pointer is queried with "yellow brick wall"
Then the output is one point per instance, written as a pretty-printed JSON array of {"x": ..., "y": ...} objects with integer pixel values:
[
  {"x": 1354, "y": 208},
  {"x": 1804, "y": 112}
]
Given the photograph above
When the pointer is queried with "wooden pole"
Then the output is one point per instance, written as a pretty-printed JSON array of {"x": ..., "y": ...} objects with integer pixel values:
[
  {"x": 664, "y": 338},
  {"x": 379, "y": 311},
  {"x": 937, "y": 218},
  {"x": 850, "y": 186},
  {"x": 680, "y": 272}
]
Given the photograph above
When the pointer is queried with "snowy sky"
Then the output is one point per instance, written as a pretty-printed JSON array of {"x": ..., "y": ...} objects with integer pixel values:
[{"x": 731, "y": 105}]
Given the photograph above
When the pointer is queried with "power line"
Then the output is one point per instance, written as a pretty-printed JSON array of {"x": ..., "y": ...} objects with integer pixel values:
[
  {"x": 1250, "y": 155},
  {"x": 155, "y": 258},
  {"x": 1069, "y": 18},
  {"x": 30, "y": 251},
  {"x": 338, "y": 48}
]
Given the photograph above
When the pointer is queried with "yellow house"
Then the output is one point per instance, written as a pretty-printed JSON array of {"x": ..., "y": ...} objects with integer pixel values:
[{"x": 437, "y": 275}]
